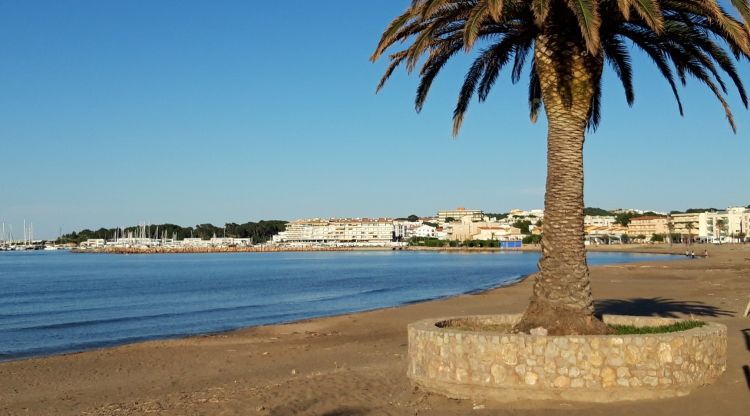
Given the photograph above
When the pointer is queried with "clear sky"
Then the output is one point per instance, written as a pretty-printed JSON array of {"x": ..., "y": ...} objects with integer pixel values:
[{"x": 112, "y": 113}]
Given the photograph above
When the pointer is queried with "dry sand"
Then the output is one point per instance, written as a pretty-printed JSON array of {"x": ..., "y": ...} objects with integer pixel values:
[{"x": 356, "y": 365}]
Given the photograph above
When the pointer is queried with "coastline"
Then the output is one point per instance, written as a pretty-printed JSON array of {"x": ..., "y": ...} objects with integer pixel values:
[
  {"x": 266, "y": 368},
  {"x": 209, "y": 250},
  {"x": 479, "y": 287},
  {"x": 617, "y": 248}
]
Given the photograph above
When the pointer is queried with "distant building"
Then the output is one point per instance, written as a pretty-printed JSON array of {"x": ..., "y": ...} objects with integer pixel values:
[
  {"x": 229, "y": 242},
  {"x": 686, "y": 226},
  {"x": 497, "y": 232},
  {"x": 482, "y": 230},
  {"x": 533, "y": 213},
  {"x": 424, "y": 231},
  {"x": 339, "y": 231},
  {"x": 604, "y": 234},
  {"x": 93, "y": 243},
  {"x": 647, "y": 226},
  {"x": 459, "y": 213},
  {"x": 599, "y": 220},
  {"x": 731, "y": 225}
]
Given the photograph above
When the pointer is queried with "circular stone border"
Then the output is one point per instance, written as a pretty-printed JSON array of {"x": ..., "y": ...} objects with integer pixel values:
[{"x": 590, "y": 368}]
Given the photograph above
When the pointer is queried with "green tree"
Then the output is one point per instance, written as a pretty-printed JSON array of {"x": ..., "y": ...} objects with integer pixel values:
[
  {"x": 700, "y": 210},
  {"x": 670, "y": 227},
  {"x": 569, "y": 42},
  {"x": 597, "y": 212},
  {"x": 532, "y": 239},
  {"x": 719, "y": 226},
  {"x": 412, "y": 218},
  {"x": 498, "y": 216},
  {"x": 523, "y": 225},
  {"x": 690, "y": 226}
]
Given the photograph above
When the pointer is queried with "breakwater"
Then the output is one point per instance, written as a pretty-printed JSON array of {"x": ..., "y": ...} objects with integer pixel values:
[{"x": 198, "y": 250}]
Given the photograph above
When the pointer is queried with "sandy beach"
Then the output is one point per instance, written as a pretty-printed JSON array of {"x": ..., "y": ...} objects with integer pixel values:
[{"x": 356, "y": 364}]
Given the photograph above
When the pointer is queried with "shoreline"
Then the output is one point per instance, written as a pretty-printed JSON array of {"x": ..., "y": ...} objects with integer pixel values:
[
  {"x": 617, "y": 248},
  {"x": 303, "y": 366},
  {"x": 511, "y": 282},
  {"x": 211, "y": 250}
]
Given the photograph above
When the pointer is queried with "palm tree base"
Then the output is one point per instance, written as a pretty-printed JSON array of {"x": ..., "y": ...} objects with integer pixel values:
[{"x": 559, "y": 320}]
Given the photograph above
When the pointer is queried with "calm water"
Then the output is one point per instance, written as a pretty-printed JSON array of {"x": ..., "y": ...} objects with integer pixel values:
[{"x": 53, "y": 302}]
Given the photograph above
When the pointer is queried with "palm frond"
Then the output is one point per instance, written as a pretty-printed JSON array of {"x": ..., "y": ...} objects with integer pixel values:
[
  {"x": 535, "y": 94},
  {"x": 696, "y": 39},
  {"x": 595, "y": 115},
  {"x": 474, "y": 24},
  {"x": 589, "y": 21},
  {"x": 496, "y": 9},
  {"x": 618, "y": 57}
]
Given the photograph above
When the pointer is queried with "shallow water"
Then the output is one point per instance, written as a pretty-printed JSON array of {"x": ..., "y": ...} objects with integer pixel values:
[{"x": 55, "y": 302}]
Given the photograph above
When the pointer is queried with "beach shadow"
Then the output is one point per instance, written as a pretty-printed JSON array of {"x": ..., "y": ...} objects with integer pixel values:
[
  {"x": 667, "y": 308},
  {"x": 306, "y": 408},
  {"x": 746, "y": 333},
  {"x": 346, "y": 411},
  {"x": 746, "y": 370}
]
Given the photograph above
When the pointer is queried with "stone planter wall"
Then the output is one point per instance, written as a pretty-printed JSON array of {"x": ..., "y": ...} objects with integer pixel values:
[{"x": 508, "y": 367}]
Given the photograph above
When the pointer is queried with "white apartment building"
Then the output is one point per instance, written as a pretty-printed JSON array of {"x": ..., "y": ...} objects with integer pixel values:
[
  {"x": 93, "y": 242},
  {"x": 598, "y": 220},
  {"x": 229, "y": 241},
  {"x": 724, "y": 226},
  {"x": 497, "y": 232},
  {"x": 361, "y": 231},
  {"x": 424, "y": 231},
  {"x": 305, "y": 231},
  {"x": 405, "y": 229},
  {"x": 532, "y": 213},
  {"x": 459, "y": 213},
  {"x": 195, "y": 242}
]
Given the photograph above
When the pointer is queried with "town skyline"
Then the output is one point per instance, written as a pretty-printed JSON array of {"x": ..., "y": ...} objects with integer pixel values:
[
  {"x": 18, "y": 230},
  {"x": 100, "y": 126}
]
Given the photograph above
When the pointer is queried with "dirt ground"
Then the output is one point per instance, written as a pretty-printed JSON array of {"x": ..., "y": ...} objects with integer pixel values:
[{"x": 356, "y": 364}]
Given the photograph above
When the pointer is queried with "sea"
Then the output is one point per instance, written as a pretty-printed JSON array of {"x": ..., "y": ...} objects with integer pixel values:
[{"x": 60, "y": 302}]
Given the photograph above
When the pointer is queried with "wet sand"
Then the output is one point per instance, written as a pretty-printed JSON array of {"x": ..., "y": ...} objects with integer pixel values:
[{"x": 356, "y": 364}]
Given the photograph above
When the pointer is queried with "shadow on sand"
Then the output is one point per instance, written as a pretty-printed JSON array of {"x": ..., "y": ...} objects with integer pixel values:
[
  {"x": 668, "y": 308},
  {"x": 746, "y": 368},
  {"x": 305, "y": 408}
]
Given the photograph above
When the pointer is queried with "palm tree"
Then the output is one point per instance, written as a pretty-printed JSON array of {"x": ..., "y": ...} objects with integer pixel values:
[
  {"x": 718, "y": 228},
  {"x": 670, "y": 228},
  {"x": 689, "y": 227},
  {"x": 569, "y": 41}
]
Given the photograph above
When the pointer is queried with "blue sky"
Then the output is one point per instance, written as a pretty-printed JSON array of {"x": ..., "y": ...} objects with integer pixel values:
[{"x": 113, "y": 113}]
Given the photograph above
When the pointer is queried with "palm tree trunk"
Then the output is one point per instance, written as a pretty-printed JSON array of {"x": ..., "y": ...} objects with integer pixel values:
[{"x": 562, "y": 302}]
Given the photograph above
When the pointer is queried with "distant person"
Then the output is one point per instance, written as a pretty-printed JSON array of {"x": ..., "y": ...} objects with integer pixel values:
[
  {"x": 692, "y": 254},
  {"x": 705, "y": 253},
  {"x": 687, "y": 253}
]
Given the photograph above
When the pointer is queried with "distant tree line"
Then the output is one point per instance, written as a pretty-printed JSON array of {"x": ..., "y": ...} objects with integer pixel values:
[
  {"x": 260, "y": 231},
  {"x": 598, "y": 212},
  {"x": 694, "y": 211},
  {"x": 434, "y": 242},
  {"x": 498, "y": 216}
]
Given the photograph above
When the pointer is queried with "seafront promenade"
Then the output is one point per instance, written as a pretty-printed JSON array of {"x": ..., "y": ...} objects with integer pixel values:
[{"x": 356, "y": 364}]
